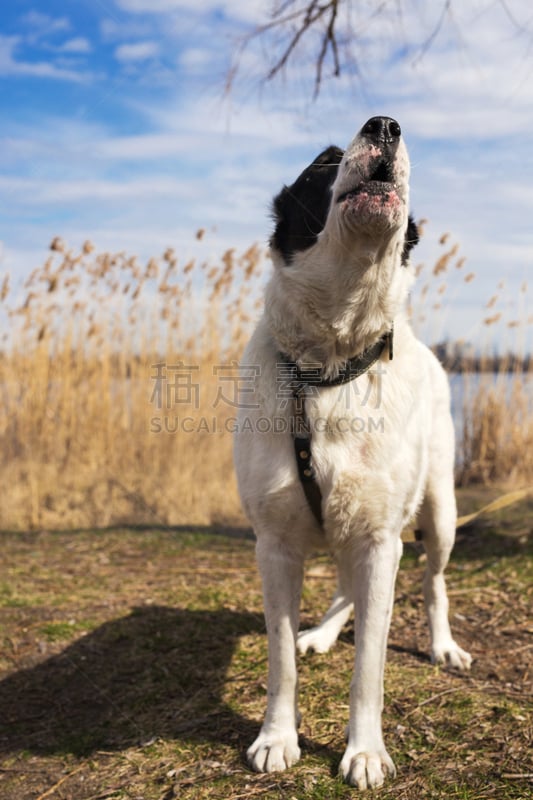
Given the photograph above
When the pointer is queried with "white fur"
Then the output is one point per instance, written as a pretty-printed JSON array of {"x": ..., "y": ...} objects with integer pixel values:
[{"x": 382, "y": 449}]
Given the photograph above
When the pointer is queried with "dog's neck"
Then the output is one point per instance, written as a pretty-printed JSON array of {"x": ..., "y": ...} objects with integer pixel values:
[{"x": 332, "y": 304}]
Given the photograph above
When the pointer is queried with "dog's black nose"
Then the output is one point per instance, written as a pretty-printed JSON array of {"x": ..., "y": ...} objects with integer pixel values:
[{"x": 382, "y": 130}]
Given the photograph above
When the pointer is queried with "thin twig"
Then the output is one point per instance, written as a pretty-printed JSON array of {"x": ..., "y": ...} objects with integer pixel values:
[
  {"x": 517, "y": 775},
  {"x": 329, "y": 39},
  {"x": 434, "y": 697},
  {"x": 107, "y": 794},
  {"x": 53, "y": 788},
  {"x": 260, "y": 789},
  {"x": 431, "y": 38},
  {"x": 518, "y": 26},
  {"x": 313, "y": 13},
  {"x": 21, "y": 770},
  {"x": 215, "y": 571}
]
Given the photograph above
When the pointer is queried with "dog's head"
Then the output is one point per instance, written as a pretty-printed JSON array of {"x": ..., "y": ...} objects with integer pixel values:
[{"x": 362, "y": 191}]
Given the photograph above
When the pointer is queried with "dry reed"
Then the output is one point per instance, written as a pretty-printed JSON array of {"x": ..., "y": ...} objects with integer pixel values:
[
  {"x": 494, "y": 408},
  {"x": 119, "y": 379},
  {"x": 115, "y": 404}
]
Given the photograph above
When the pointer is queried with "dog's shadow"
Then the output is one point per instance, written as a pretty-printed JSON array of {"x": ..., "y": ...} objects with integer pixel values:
[{"x": 157, "y": 672}]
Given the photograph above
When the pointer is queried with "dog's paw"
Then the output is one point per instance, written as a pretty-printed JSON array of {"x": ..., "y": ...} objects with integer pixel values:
[
  {"x": 273, "y": 752},
  {"x": 316, "y": 640},
  {"x": 366, "y": 770},
  {"x": 451, "y": 655}
]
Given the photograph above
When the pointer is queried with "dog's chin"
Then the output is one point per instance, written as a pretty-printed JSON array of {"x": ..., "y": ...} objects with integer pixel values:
[{"x": 373, "y": 204}]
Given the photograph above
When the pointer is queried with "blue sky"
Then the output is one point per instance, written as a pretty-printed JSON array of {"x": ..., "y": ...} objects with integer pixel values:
[{"x": 115, "y": 127}]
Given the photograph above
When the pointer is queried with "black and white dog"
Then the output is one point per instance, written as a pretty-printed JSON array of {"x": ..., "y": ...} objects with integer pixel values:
[{"x": 378, "y": 442}]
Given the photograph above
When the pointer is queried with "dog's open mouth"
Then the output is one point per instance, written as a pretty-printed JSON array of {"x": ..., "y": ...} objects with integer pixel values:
[{"x": 380, "y": 180}]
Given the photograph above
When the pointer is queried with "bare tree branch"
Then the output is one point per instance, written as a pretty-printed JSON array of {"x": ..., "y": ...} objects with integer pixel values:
[
  {"x": 312, "y": 14},
  {"x": 446, "y": 8},
  {"x": 306, "y": 18},
  {"x": 521, "y": 28},
  {"x": 328, "y": 40},
  {"x": 298, "y": 20}
]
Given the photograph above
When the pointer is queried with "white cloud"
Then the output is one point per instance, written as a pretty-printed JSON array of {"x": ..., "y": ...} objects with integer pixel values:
[
  {"x": 76, "y": 45},
  {"x": 194, "y": 58},
  {"x": 153, "y": 6},
  {"x": 137, "y": 51},
  {"x": 43, "y": 24},
  {"x": 45, "y": 191},
  {"x": 119, "y": 30},
  {"x": 138, "y": 148},
  {"x": 252, "y": 11},
  {"x": 9, "y": 65}
]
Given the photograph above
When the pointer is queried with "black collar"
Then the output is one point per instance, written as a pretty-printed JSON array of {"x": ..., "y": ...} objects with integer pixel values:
[{"x": 352, "y": 369}]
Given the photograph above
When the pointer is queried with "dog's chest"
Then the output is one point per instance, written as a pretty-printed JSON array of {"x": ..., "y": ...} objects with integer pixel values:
[
  {"x": 368, "y": 452},
  {"x": 347, "y": 413},
  {"x": 362, "y": 426}
]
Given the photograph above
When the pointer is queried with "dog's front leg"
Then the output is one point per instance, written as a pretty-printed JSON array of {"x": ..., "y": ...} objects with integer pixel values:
[
  {"x": 324, "y": 636},
  {"x": 276, "y": 747},
  {"x": 366, "y": 761}
]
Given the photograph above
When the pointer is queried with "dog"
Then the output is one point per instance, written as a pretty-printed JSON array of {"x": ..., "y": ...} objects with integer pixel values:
[{"x": 335, "y": 357}]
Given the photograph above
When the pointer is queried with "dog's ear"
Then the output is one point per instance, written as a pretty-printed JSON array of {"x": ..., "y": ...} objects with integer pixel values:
[
  {"x": 300, "y": 210},
  {"x": 280, "y": 215},
  {"x": 412, "y": 237}
]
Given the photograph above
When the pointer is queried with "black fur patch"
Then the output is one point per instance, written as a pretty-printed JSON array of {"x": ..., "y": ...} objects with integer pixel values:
[
  {"x": 411, "y": 239},
  {"x": 300, "y": 210}
]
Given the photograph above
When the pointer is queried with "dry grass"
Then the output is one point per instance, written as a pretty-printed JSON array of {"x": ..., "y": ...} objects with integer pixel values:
[
  {"x": 133, "y": 667},
  {"x": 92, "y": 429},
  {"x": 494, "y": 412},
  {"x": 497, "y": 431},
  {"x": 94, "y": 433}
]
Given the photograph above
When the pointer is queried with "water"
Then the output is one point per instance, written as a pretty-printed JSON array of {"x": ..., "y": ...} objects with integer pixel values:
[{"x": 465, "y": 389}]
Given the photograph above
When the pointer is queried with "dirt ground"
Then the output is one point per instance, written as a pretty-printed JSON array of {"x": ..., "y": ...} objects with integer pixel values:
[{"x": 133, "y": 665}]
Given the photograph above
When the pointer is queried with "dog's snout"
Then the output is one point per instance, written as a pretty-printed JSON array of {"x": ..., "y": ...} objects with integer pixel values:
[{"x": 382, "y": 130}]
